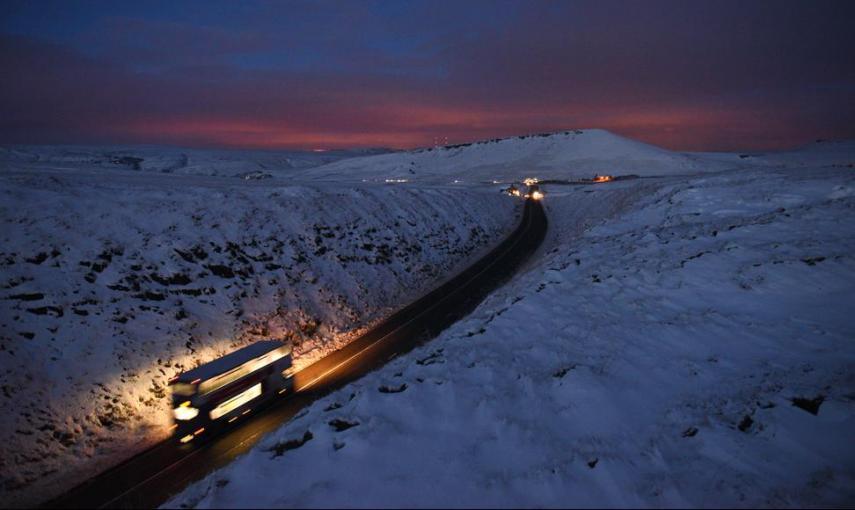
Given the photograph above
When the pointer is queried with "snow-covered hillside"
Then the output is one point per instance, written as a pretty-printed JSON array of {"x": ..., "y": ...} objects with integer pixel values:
[
  {"x": 112, "y": 282},
  {"x": 563, "y": 155},
  {"x": 820, "y": 153},
  {"x": 172, "y": 160},
  {"x": 680, "y": 342},
  {"x": 835, "y": 153}
]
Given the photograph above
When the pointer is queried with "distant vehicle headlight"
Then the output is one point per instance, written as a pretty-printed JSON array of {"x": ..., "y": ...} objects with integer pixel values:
[{"x": 184, "y": 413}]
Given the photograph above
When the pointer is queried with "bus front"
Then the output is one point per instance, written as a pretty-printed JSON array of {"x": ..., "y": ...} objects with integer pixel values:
[{"x": 186, "y": 413}]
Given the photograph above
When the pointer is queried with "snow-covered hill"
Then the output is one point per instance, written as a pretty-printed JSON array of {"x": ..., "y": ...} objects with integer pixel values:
[
  {"x": 563, "y": 155},
  {"x": 112, "y": 282},
  {"x": 172, "y": 160},
  {"x": 836, "y": 153},
  {"x": 682, "y": 342}
]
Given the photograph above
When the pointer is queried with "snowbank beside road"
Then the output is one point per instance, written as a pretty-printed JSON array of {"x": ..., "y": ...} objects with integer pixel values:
[
  {"x": 681, "y": 343},
  {"x": 112, "y": 285}
]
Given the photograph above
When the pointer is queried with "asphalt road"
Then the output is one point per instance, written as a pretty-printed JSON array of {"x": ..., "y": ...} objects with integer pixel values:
[{"x": 153, "y": 476}]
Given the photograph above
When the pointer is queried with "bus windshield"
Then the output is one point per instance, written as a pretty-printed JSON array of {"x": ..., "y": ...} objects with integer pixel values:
[{"x": 184, "y": 389}]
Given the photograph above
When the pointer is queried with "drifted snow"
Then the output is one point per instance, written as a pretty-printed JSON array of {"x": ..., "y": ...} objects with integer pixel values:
[
  {"x": 650, "y": 356},
  {"x": 114, "y": 280}
]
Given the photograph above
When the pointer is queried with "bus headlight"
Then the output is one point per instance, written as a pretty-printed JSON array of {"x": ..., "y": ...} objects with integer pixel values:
[{"x": 184, "y": 413}]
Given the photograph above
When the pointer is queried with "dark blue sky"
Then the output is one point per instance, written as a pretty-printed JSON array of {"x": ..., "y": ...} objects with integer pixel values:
[{"x": 686, "y": 75}]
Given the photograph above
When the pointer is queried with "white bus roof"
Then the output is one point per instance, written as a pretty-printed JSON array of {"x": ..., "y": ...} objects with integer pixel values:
[{"x": 229, "y": 361}]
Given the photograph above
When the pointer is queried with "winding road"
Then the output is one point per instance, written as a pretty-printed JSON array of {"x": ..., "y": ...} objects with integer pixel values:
[{"x": 153, "y": 476}]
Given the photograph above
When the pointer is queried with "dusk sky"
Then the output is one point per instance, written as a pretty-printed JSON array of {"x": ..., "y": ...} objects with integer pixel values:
[{"x": 685, "y": 75}]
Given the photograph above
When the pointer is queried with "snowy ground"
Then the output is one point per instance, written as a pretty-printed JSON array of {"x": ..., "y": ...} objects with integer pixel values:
[
  {"x": 678, "y": 342},
  {"x": 114, "y": 279}
]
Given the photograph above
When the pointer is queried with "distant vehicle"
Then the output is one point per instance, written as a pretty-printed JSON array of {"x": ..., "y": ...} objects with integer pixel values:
[
  {"x": 217, "y": 393},
  {"x": 534, "y": 192}
]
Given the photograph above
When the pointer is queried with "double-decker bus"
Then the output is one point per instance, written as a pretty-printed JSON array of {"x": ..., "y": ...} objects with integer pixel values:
[{"x": 217, "y": 393}]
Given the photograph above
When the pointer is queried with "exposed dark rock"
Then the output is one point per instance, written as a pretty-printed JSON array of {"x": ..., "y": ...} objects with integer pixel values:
[
  {"x": 341, "y": 425},
  {"x": 280, "y": 448},
  {"x": 435, "y": 357},
  {"x": 561, "y": 372},
  {"x": 150, "y": 296},
  {"x": 176, "y": 279},
  {"x": 810, "y": 405},
  {"x": 392, "y": 389},
  {"x": 35, "y": 296},
  {"x": 221, "y": 270},
  {"x": 186, "y": 255},
  {"x": 199, "y": 253},
  {"x": 195, "y": 292},
  {"x": 56, "y": 311},
  {"x": 811, "y": 261},
  {"x": 38, "y": 258}
]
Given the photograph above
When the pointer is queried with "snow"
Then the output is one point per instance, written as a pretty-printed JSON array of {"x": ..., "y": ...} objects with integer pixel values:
[
  {"x": 563, "y": 155},
  {"x": 171, "y": 160},
  {"x": 651, "y": 355},
  {"x": 835, "y": 153},
  {"x": 114, "y": 280}
]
